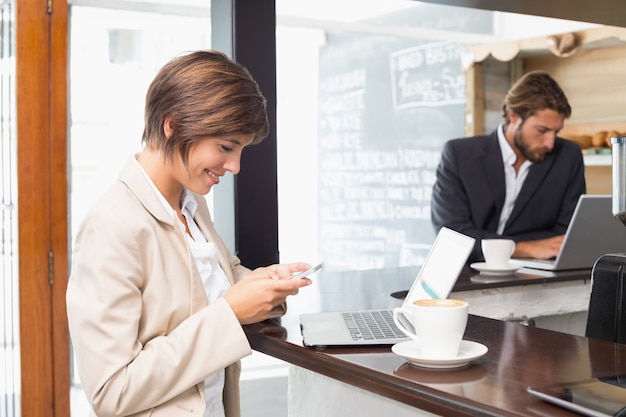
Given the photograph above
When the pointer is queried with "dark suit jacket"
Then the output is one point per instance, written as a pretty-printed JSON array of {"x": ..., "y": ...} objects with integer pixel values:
[{"x": 469, "y": 191}]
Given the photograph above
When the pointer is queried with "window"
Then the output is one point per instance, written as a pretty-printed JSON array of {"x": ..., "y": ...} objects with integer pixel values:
[
  {"x": 9, "y": 322},
  {"x": 359, "y": 126},
  {"x": 365, "y": 102},
  {"x": 115, "y": 54},
  {"x": 368, "y": 92}
]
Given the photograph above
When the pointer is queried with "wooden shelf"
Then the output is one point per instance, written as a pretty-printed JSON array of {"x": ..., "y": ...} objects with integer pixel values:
[{"x": 593, "y": 79}]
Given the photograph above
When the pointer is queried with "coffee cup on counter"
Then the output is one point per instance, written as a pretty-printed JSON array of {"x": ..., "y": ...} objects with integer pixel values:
[
  {"x": 439, "y": 325},
  {"x": 497, "y": 252}
]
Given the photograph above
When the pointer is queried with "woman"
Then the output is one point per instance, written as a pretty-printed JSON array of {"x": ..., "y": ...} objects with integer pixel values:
[{"x": 155, "y": 301}]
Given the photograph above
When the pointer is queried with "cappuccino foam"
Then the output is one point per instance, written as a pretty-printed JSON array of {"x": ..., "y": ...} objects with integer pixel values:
[{"x": 440, "y": 302}]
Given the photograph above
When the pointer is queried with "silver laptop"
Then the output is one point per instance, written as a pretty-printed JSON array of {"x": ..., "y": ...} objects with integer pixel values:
[
  {"x": 375, "y": 327},
  {"x": 592, "y": 232}
]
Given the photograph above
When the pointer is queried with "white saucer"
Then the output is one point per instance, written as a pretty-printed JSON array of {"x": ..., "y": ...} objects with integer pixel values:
[
  {"x": 468, "y": 351},
  {"x": 485, "y": 270},
  {"x": 481, "y": 278}
]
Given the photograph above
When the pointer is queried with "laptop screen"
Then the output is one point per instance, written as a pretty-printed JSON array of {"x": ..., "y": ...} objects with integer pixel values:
[
  {"x": 435, "y": 279},
  {"x": 442, "y": 266}
]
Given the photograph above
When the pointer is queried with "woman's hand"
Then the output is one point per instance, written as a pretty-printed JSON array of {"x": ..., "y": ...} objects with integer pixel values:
[{"x": 253, "y": 298}]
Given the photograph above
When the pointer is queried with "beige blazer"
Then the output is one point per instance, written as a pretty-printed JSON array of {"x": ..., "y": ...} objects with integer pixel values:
[{"x": 143, "y": 335}]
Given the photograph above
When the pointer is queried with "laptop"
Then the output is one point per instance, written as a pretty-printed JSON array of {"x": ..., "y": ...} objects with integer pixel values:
[
  {"x": 592, "y": 233},
  {"x": 435, "y": 279},
  {"x": 593, "y": 397}
]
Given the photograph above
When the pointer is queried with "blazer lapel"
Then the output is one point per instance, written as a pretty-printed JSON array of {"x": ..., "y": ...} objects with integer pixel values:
[
  {"x": 137, "y": 182},
  {"x": 493, "y": 169},
  {"x": 139, "y": 185}
]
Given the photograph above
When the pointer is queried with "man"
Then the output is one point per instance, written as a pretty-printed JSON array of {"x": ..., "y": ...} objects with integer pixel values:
[{"x": 520, "y": 182}]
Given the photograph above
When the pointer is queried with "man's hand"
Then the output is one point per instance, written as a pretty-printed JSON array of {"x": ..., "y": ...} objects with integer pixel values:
[{"x": 539, "y": 249}]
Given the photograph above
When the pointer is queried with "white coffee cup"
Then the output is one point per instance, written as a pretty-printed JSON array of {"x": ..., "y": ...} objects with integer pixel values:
[
  {"x": 439, "y": 326},
  {"x": 497, "y": 252}
]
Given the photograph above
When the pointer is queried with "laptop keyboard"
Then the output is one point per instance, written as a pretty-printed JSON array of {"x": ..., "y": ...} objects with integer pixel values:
[{"x": 372, "y": 325}]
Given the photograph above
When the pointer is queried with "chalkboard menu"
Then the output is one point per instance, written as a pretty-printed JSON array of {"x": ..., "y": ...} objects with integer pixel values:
[{"x": 386, "y": 107}]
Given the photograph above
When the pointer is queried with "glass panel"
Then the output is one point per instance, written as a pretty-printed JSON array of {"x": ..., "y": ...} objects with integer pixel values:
[
  {"x": 357, "y": 141},
  {"x": 376, "y": 89},
  {"x": 115, "y": 54},
  {"x": 368, "y": 92},
  {"x": 9, "y": 319}
]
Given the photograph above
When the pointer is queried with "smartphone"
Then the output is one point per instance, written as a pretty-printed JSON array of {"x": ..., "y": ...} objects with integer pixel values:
[
  {"x": 594, "y": 397},
  {"x": 306, "y": 273}
]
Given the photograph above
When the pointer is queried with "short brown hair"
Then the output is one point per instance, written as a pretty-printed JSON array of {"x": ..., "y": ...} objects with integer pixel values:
[
  {"x": 535, "y": 91},
  {"x": 204, "y": 93}
]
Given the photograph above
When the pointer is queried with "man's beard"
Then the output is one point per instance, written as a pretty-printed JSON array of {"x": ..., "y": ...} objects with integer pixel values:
[{"x": 518, "y": 139}]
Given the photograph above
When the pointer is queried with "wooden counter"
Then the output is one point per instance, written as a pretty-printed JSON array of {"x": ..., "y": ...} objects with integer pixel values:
[
  {"x": 494, "y": 385},
  {"x": 529, "y": 295}
]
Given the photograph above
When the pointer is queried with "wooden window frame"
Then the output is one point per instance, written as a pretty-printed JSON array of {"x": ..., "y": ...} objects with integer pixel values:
[
  {"x": 42, "y": 102},
  {"x": 43, "y": 192}
]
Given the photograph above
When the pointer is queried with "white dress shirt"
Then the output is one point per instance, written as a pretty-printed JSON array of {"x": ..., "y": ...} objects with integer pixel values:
[{"x": 513, "y": 180}]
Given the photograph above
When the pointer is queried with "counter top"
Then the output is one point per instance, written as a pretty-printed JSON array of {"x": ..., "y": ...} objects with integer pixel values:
[
  {"x": 525, "y": 294},
  {"x": 493, "y": 385},
  {"x": 470, "y": 280}
]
